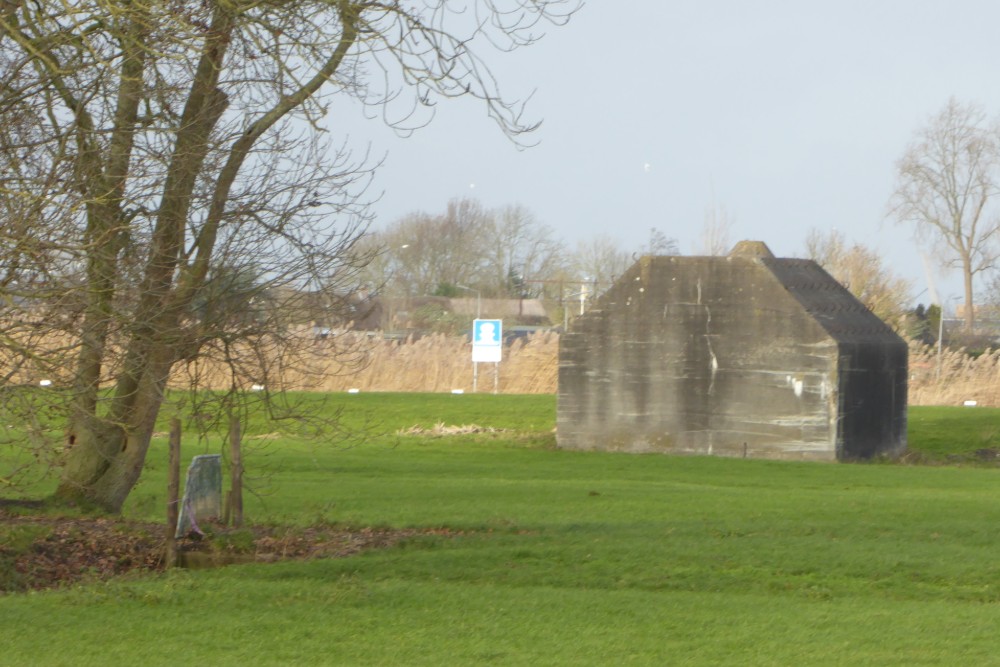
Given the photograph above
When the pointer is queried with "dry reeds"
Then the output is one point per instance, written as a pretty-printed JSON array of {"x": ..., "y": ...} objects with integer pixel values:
[
  {"x": 356, "y": 360},
  {"x": 431, "y": 364},
  {"x": 953, "y": 377}
]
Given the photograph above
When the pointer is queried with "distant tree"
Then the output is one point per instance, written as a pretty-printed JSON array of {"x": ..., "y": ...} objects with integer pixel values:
[
  {"x": 717, "y": 226},
  {"x": 659, "y": 244},
  {"x": 862, "y": 271},
  {"x": 520, "y": 254},
  {"x": 447, "y": 290},
  {"x": 599, "y": 261},
  {"x": 934, "y": 317},
  {"x": 504, "y": 252},
  {"x": 923, "y": 324},
  {"x": 990, "y": 302},
  {"x": 946, "y": 186},
  {"x": 423, "y": 251}
]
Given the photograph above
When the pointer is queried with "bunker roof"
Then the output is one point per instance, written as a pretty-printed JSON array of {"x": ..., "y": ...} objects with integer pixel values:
[{"x": 832, "y": 306}]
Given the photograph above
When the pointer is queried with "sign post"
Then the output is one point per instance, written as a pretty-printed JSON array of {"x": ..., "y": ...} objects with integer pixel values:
[{"x": 487, "y": 345}]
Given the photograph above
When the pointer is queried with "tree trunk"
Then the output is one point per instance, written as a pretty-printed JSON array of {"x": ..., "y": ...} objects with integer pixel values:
[
  {"x": 106, "y": 456},
  {"x": 108, "y": 448},
  {"x": 970, "y": 312}
]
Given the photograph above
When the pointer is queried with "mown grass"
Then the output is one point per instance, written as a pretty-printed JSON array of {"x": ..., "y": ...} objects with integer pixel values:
[
  {"x": 952, "y": 434},
  {"x": 566, "y": 558}
]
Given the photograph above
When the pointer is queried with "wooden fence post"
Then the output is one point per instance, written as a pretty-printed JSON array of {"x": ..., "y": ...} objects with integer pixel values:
[
  {"x": 236, "y": 456},
  {"x": 173, "y": 489}
]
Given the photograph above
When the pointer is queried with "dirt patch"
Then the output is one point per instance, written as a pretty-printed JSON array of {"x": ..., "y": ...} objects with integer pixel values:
[
  {"x": 41, "y": 552},
  {"x": 440, "y": 429}
]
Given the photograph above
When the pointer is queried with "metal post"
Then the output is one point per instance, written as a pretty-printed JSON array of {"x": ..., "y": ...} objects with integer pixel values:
[
  {"x": 479, "y": 312},
  {"x": 940, "y": 339},
  {"x": 940, "y": 336}
]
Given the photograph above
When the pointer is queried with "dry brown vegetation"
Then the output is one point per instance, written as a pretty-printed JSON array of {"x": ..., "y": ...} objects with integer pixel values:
[
  {"x": 39, "y": 552},
  {"x": 435, "y": 363},
  {"x": 440, "y": 363},
  {"x": 530, "y": 366},
  {"x": 954, "y": 377}
]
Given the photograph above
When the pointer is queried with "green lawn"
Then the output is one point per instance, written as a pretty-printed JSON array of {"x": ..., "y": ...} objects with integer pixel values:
[
  {"x": 950, "y": 433},
  {"x": 567, "y": 558}
]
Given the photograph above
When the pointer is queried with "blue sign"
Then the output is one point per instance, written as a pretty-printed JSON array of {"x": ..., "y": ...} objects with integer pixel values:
[{"x": 487, "y": 340}]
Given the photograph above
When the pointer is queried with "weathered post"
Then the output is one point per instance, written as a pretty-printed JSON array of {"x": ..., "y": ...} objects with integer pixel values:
[
  {"x": 236, "y": 454},
  {"x": 173, "y": 489}
]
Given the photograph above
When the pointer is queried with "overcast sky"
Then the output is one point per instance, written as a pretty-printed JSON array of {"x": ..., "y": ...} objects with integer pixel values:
[{"x": 790, "y": 114}]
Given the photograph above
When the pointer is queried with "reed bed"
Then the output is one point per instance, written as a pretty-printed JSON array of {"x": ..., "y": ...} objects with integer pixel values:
[
  {"x": 531, "y": 366},
  {"x": 438, "y": 363},
  {"x": 359, "y": 361},
  {"x": 953, "y": 377}
]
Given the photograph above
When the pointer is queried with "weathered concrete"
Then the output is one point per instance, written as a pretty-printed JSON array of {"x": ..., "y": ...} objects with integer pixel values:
[
  {"x": 202, "y": 493},
  {"x": 746, "y": 355}
]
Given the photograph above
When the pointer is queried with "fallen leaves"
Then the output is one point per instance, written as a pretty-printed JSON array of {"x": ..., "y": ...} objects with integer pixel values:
[{"x": 66, "y": 551}]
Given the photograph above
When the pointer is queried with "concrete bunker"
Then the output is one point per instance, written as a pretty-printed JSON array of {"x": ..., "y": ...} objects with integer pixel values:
[{"x": 746, "y": 355}]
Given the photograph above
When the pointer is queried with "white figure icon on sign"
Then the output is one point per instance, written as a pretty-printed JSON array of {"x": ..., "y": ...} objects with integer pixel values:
[{"x": 487, "y": 333}]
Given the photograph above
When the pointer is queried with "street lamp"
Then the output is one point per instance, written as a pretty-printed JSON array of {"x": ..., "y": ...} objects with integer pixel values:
[
  {"x": 479, "y": 310},
  {"x": 582, "y": 294},
  {"x": 941, "y": 332},
  {"x": 479, "y": 301}
]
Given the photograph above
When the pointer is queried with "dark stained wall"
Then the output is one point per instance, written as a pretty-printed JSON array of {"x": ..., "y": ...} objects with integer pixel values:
[
  {"x": 871, "y": 415},
  {"x": 872, "y": 368},
  {"x": 713, "y": 356}
]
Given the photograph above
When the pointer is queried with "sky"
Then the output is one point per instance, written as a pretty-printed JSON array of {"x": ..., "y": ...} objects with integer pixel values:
[{"x": 790, "y": 115}]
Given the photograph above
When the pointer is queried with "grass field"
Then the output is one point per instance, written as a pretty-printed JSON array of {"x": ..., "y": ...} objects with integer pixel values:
[{"x": 564, "y": 558}]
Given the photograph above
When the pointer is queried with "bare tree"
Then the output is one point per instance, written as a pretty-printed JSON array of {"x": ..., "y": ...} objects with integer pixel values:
[
  {"x": 716, "y": 229},
  {"x": 863, "y": 272},
  {"x": 498, "y": 252},
  {"x": 520, "y": 253},
  {"x": 182, "y": 155},
  {"x": 946, "y": 183},
  {"x": 600, "y": 261},
  {"x": 424, "y": 253},
  {"x": 659, "y": 244}
]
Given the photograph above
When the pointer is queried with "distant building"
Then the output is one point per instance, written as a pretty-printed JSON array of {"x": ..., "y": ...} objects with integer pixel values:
[
  {"x": 413, "y": 313},
  {"x": 745, "y": 355},
  {"x": 529, "y": 312}
]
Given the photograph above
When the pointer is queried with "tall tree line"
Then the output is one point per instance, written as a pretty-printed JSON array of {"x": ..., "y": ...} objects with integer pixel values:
[{"x": 503, "y": 252}]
